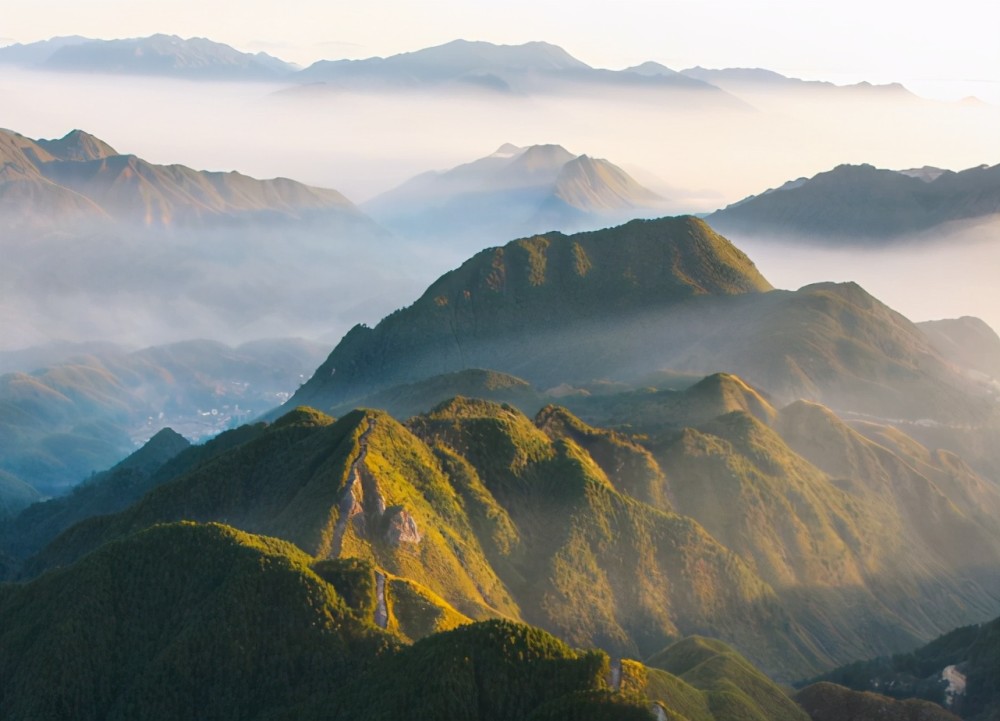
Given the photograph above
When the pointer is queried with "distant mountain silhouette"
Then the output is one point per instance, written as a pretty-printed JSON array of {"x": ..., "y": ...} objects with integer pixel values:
[
  {"x": 161, "y": 55},
  {"x": 514, "y": 191},
  {"x": 102, "y": 246},
  {"x": 862, "y": 204},
  {"x": 520, "y": 69},
  {"x": 736, "y": 80},
  {"x": 53, "y": 183}
]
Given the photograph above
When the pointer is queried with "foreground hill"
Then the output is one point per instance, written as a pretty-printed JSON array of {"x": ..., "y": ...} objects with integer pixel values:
[
  {"x": 250, "y": 627},
  {"x": 861, "y": 204},
  {"x": 622, "y": 303},
  {"x": 801, "y": 555},
  {"x": 513, "y": 192}
]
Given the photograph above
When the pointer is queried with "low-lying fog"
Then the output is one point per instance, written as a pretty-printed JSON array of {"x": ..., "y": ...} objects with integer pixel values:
[
  {"x": 363, "y": 144},
  {"x": 945, "y": 274}
]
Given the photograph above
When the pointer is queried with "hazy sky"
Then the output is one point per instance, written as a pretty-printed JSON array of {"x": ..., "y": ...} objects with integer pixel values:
[{"x": 939, "y": 49}]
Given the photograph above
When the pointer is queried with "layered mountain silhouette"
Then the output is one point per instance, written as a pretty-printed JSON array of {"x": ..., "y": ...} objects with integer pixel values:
[
  {"x": 756, "y": 80},
  {"x": 535, "y": 67},
  {"x": 61, "y": 422},
  {"x": 100, "y": 246},
  {"x": 80, "y": 178},
  {"x": 514, "y": 191},
  {"x": 967, "y": 341},
  {"x": 622, "y": 303},
  {"x": 862, "y": 204},
  {"x": 157, "y": 55}
]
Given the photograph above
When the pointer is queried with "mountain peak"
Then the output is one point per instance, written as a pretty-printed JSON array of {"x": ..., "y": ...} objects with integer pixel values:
[
  {"x": 78, "y": 145},
  {"x": 650, "y": 68},
  {"x": 507, "y": 150},
  {"x": 596, "y": 184},
  {"x": 534, "y": 286}
]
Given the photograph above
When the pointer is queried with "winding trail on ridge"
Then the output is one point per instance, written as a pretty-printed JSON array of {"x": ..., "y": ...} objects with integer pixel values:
[{"x": 347, "y": 502}]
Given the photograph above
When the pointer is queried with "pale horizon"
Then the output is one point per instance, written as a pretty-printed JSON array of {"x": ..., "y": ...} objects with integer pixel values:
[{"x": 936, "y": 56}]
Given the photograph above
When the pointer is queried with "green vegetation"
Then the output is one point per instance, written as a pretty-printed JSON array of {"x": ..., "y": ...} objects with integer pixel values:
[
  {"x": 973, "y": 650},
  {"x": 501, "y": 307},
  {"x": 624, "y": 542},
  {"x": 829, "y": 702},
  {"x": 730, "y": 686},
  {"x": 178, "y": 621}
]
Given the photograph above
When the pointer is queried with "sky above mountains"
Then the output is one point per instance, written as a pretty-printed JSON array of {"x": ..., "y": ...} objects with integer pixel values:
[{"x": 940, "y": 51}]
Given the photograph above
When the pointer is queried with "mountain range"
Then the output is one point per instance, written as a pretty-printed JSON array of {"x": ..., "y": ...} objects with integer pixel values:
[
  {"x": 740, "y": 81},
  {"x": 616, "y": 492},
  {"x": 80, "y": 179},
  {"x": 158, "y": 55},
  {"x": 103, "y": 245},
  {"x": 530, "y": 68},
  {"x": 513, "y": 192},
  {"x": 722, "y": 527},
  {"x": 622, "y": 303},
  {"x": 460, "y": 65},
  {"x": 864, "y": 205}
]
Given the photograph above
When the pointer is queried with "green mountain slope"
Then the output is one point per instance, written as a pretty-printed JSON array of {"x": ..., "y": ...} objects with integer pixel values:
[
  {"x": 624, "y": 303},
  {"x": 179, "y": 621},
  {"x": 730, "y": 686},
  {"x": 801, "y": 542},
  {"x": 250, "y": 627},
  {"x": 574, "y": 530},
  {"x": 829, "y": 702},
  {"x": 107, "y": 492},
  {"x": 361, "y": 487},
  {"x": 511, "y": 308}
]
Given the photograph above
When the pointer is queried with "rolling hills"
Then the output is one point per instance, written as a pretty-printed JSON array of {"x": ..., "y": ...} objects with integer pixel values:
[{"x": 626, "y": 542}]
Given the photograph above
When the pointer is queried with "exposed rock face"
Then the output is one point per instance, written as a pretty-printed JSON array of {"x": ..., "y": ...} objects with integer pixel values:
[{"x": 400, "y": 527}]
